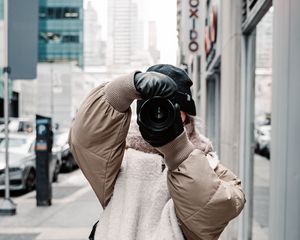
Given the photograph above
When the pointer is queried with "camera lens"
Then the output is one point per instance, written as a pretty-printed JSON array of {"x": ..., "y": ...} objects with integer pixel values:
[{"x": 157, "y": 114}]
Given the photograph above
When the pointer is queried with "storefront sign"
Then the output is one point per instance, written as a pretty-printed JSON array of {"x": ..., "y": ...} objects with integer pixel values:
[
  {"x": 194, "y": 25},
  {"x": 211, "y": 32},
  {"x": 189, "y": 29}
]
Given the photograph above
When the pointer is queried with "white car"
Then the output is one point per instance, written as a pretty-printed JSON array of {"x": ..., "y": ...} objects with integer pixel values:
[
  {"x": 22, "y": 162},
  {"x": 263, "y": 140},
  {"x": 60, "y": 141}
]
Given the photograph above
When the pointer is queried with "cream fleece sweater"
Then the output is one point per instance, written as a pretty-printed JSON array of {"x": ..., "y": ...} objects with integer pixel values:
[{"x": 141, "y": 207}]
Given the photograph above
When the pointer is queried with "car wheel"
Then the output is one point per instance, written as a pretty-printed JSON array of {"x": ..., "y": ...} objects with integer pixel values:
[
  {"x": 30, "y": 181},
  {"x": 56, "y": 172},
  {"x": 70, "y": 164},
  {"x": 256, "y": 150},
  {"x": 265, "y": 152}
]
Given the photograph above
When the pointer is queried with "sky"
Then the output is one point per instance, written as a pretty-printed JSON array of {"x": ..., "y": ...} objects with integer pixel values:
[{"x": 163, "y": 12}]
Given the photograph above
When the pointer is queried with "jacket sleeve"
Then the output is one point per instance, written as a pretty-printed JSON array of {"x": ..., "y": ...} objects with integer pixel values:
[
  {"x": 98, "y": 133},
  {"x": 205, "y": 199}
]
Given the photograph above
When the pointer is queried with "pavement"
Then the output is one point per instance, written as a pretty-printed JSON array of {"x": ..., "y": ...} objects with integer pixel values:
[
  {"x": 71, "y": 216},
  {"x": 75, "y": 209},
  {"x": 261, "y": 198}
]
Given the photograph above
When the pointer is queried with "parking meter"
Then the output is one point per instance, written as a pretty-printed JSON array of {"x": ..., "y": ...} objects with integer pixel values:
[{"x": 43, "y": 149}]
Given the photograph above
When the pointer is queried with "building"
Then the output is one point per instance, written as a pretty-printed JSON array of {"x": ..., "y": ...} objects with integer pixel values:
[
  {"x": 61, "y": 31},
  {"x": 1, "y": 9},
  {"x": 1, "y": 53},
  {"x": 1, "y": 35},
  {"x": 218, "y": 42},
  {"x": 69, "y": 86},
  {"x": 60, "y": 53},
  {"x": 152, "y": 42},
  {"x": 125, "y": 31},
  {"x": 54, "y": 93},
  {"x": 94, "y": 46},
  {"x": 119, "y": 32}
]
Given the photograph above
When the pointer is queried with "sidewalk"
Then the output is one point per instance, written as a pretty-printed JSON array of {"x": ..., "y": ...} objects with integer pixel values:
[
  {"x": 73, "y": 212},
  {"x": 261, "y": 198}
]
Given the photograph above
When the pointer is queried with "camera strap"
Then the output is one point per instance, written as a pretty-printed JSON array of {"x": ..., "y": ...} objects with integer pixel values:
[{"x": 92, "y": 234}]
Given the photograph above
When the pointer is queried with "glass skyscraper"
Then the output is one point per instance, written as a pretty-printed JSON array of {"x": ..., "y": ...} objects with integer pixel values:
[{"x": 61, "y": 31}]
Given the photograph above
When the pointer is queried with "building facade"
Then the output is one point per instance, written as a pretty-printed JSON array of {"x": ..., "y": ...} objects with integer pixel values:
[
  {"x": 1, "y": 9},
  {"x": 61, "y": 31},
  {"x": 1, "y": 43},
  {"x": 94, "y": 46},
  {"x": 119, "y": 32},
  {"x": 69, "y": 86},
  {"x": 125, "y": 36},
  {"x": 225, "y": 73}
]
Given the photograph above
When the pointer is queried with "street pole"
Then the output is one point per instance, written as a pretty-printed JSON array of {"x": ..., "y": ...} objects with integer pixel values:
[
  {"x": 51, "y": 89},
  {"x": 8, "y": 207}
]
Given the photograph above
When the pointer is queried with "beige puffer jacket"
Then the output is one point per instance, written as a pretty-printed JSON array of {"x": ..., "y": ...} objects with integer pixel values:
[{"x": 205, "y": 200}]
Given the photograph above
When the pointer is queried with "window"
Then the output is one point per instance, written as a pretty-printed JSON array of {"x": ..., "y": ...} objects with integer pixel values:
[
  {"x": 70, "y": 39},
  {"x": 59, "y": 13},
  {"x": 50, "y": 37}
]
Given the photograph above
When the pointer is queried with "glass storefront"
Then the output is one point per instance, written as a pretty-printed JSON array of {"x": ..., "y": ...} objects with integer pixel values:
[
  {"x": 262, "y": 127},
  {"x": 213, "y": 110}
]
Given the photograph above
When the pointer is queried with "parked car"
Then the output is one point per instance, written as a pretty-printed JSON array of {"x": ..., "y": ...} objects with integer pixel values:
[
  {"x": 22, "y": 162},
  {"x": 21, "y": 125},
  {"x": 61, "y": 141},
  {"x": 263, "y": 139}
]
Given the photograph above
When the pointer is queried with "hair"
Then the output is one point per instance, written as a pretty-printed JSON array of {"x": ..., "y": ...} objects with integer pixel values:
[{"x": 192, "y": 126}]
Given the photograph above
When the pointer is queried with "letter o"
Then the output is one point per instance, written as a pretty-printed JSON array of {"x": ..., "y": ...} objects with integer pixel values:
[
  {"x": 194, "y": 3},
  {"x": 193, "y": 46}
]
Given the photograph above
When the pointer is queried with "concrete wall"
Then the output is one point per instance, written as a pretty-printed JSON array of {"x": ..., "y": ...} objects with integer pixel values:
[
  {"x": 230, "y": 98},
  {"x": 285, "y": 151}
]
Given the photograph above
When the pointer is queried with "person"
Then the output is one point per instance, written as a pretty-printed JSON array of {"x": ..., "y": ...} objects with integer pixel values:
[{"x": 151, "y": 185}]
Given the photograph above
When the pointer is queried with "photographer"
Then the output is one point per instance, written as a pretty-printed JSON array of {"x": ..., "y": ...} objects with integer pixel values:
[{"x": 193, "y": 198}]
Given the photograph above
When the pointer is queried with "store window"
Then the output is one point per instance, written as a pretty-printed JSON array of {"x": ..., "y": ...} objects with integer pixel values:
[
  {"x": 213, "y": 109},
  {"x": 262, "y": 127}
]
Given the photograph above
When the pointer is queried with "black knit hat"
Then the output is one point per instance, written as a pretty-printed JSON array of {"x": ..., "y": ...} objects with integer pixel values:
[{"x": 183, "y": 96}]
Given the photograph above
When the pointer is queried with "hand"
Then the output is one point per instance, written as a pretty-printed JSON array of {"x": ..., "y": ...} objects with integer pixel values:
[
  {"x": 150, "y": 84},
  {"x": 158, "y": 139}
]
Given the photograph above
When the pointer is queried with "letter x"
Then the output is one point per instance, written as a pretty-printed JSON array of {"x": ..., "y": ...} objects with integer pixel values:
[{"x": 194, "y": 13}]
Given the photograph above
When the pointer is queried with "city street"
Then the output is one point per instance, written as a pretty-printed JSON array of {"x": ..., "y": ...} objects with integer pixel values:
[{"x": 74, "y": 210}]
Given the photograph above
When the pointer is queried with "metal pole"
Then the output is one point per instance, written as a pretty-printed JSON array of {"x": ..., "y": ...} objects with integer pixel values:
[
  {"x": 7, "y": 207},
  {"x": 51, "y": 89}
]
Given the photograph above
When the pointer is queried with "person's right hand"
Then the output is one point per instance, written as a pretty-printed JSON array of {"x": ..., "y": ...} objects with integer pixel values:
[{"x": 150, "y": 84}]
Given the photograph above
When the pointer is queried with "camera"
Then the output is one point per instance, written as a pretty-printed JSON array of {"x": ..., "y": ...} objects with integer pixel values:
[{"x": 156, "y": 114}]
